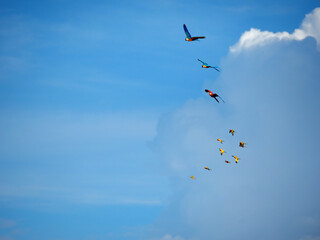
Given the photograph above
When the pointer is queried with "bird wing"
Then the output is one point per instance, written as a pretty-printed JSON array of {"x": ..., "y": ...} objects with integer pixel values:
[
  {"x": 203, "y": 62},
  {"x": 216, "y": 68},
  {"x": 221, "y": 99},
  {"x": 195, "y": 38},
  {"x": 186, "y": 31}
]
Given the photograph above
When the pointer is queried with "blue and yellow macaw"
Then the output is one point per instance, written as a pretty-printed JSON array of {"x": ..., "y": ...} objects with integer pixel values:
[
  {"x": 189, "y": 38},
  {"x": 205, "y": 65}
]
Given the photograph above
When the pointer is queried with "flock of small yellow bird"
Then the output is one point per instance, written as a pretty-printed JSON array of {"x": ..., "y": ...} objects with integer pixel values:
[
  {"x": 241, "y": 144},
  {"x": 189, "y": 38}
]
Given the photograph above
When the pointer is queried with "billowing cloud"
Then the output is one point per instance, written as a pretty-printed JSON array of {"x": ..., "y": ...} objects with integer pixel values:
[
  {"x": 271, "y": 94},
  {"x": 310, "y": 27}
]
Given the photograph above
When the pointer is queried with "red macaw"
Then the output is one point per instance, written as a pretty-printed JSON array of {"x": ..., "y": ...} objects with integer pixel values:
[{"x": 214, "y": 95}]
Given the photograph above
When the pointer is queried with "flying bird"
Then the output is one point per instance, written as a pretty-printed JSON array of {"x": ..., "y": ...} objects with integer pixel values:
[
  {"x": 232, "y": 131},
  {"x": 241, "y": 144},
  {"x": 227, "y": 161},
  {"x": 214, "y": 95},
  {"x": 189, "y": 38},
  {"x": 205, "y": 65},
  {"x": 209, "y": 169},
  {"x": 193, "y": 177},
  {"x": 222, "y": 151},
  {"x": 236, "y": 158},
  {"x": 221, "y": 141}
]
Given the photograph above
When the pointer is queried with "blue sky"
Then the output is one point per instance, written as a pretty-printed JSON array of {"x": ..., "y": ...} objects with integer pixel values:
[{"x": 103, "y": 118}]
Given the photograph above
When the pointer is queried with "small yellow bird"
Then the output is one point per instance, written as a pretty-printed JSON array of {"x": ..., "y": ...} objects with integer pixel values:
[
  {"x": 227, "y": 161},
  {"x": 207, "y": 168},
  {"x": 192, "y": 177},
  {"x": 236, "y": 158},
  {"x": 241, "y": 144},
  {"x": 232, "y": 131},
  {"x": 221, "y": 141},
  {"x": 221, "y": 151}
]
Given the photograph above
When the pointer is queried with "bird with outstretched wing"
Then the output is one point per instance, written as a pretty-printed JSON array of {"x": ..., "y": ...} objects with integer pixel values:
[
  {"x": 206, "y": 65},
  {"x": 214, "y": 95},
  {"x": 189, "y": 38}
]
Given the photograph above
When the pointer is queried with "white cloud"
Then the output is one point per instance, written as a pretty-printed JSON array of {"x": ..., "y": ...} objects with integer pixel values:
[
  {"x": 310, "y": 27},
  {"x": 272, "y": 98}
]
